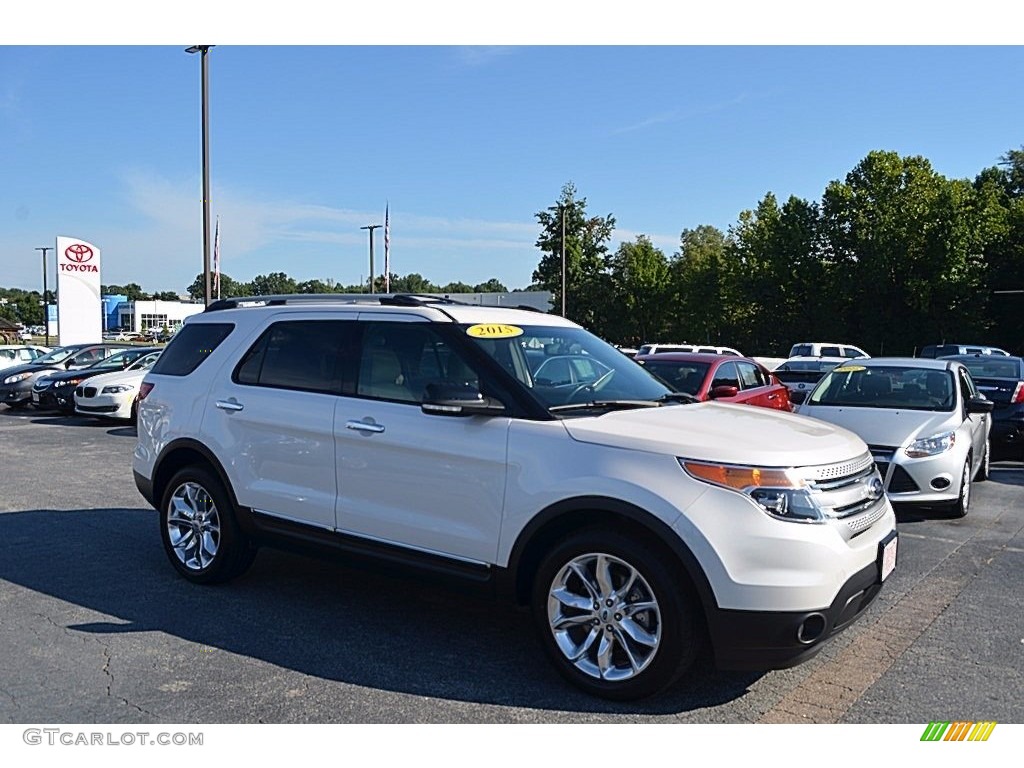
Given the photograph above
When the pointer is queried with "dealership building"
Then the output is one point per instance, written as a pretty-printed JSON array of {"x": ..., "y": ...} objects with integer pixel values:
[{"x": 140, "y": 316}]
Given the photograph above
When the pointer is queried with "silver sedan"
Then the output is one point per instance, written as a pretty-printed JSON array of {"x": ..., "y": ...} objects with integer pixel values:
[{"x": 925, "y": 421}]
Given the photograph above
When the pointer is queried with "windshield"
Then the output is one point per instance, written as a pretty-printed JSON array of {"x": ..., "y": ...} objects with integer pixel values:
[
  {"x": 144, "y": 363},
  {"x": 57, "y": 355},
  {"x": 567, "y": 366},
  {"x": 895, "y": 387},
  {"x": 680, "y": 377}
]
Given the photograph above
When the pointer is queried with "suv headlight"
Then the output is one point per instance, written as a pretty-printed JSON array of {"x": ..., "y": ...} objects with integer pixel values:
[
  {"x": 16, "y": 378},
  {"x": 114, "y": 389},
  {"x": 779, "y": 492},
  {"x": 931, "y": 446}
]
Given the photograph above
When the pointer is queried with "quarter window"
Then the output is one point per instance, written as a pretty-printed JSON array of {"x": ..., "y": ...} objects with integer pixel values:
[
  {"x": 306, "y": 355},
  {"x": 190, "y": 347}
]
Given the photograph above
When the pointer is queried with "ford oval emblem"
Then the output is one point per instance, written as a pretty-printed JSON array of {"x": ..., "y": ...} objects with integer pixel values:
[{"x": 875, "y": 488}]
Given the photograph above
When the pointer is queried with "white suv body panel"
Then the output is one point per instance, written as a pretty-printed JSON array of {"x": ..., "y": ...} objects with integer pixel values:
[{"x": 431, "y": 483}]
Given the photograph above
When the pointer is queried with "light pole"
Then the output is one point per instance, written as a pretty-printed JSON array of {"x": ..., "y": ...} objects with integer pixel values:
[
  {"x": 204, "y": 50},
  {"x": 46, "y": 300},
  {"x": 371, "y": 227},
  {"x": 563, "y": 260}
]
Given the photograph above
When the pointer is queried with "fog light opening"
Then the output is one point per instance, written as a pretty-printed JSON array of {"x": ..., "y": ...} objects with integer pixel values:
[
  {"x": 940, "y": 483},
  {"x": 811, "y": 629}
]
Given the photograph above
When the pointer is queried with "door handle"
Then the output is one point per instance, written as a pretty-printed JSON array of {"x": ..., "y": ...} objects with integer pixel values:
[
  {"x": 362, "y": 426},
  {"x": 229, "y": 405}
]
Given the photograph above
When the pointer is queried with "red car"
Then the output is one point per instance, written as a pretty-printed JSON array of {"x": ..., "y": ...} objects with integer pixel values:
[{"x": 726, "y": 378}]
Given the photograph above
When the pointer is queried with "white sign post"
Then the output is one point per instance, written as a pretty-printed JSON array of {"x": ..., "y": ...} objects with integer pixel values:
[{"x": 79, "y": 312}]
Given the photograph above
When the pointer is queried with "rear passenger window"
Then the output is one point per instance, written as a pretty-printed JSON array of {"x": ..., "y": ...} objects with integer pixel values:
[
  {"x": 751, "y": 376},
  {"x": 307, "y": 355},
  {"x": 190, "y": 347},
  {"x": 830, "y": 352}
]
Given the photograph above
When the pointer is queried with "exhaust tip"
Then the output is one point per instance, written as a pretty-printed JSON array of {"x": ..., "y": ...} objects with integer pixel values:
[{"x": 811, "y": 628}]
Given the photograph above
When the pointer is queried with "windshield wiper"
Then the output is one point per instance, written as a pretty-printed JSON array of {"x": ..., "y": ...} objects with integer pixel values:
[
  {"x": 605, "y": 404},
  {"x": 677, "y": 397}
]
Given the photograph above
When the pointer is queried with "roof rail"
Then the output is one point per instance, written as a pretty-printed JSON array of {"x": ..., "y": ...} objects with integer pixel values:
[{"x": 387, "y": 299}]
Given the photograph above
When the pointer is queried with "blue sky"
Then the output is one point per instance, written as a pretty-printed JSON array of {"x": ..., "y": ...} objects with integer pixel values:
[{"x": 466, "y": 144}]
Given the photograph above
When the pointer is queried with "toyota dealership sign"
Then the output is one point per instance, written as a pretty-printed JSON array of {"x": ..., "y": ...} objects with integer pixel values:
[{"x": 79, "y": 315}]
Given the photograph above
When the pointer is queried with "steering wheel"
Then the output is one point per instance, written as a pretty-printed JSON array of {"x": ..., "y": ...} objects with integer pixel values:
[{"x": 593, "y": 387}]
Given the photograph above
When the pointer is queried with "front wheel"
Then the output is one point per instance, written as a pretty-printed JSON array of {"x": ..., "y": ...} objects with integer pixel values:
[
  {"x": 962, "y": 504},
  {"x": 200, "y": 534},
  {"x": 613, "y": 616}
]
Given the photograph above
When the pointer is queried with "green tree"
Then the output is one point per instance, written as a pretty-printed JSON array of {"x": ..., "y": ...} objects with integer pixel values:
[
  {"x": 133, "y": 291},
  {"x": 491, "y": 286},
  {"x": 228, "y": 288},
  {"x": 906, "y": 243},
  {"x": 703, "y": 288},
  {"x": 272, "y": 284},
  {"x": 586, "y": 244},
  {"x": 412, "y": 283},
  {"x": 456, "y": 287},
  {"x": 639, "y": 276}
]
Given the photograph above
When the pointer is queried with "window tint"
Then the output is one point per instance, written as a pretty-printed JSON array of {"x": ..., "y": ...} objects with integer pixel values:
[
  {"x": 726, "y": 376},
  {"x": 402, "y": 361},
  {"x": 830, "y": 352},
  {"x": 190, "y": 346},
  {"x": 751, "y": 375},
  {"x": 801, "y": 350},
  {"x": 307, "y": 355},
  {"x": 680, "y": 377}
]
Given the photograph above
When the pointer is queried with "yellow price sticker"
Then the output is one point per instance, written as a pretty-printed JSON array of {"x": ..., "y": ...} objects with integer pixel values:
[
  {"x": 849, "y": 369},
  {"x": 493, "y": 331}
]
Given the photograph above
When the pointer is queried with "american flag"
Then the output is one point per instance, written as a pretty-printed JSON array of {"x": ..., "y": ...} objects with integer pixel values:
[
  {"x": 387, "y": 250},
  {"x": 216, "y": 259}
]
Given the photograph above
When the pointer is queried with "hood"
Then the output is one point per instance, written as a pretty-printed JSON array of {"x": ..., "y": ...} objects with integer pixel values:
[
  {"x": 27, "y": 368},
  {"x": 118, "y": 377},
  {"x": 80, "y": 373},
  {"x": 885, "y": 426},
  {"x": 732, "y": 434}
]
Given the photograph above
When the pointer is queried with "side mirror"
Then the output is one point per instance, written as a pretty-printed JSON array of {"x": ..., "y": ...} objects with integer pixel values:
[
  {"x": 980, "y": 404},
  {"x": 459, "y": 400},
  {"x": 68, "y": 365},
  {"x": 723, "y": 391}
]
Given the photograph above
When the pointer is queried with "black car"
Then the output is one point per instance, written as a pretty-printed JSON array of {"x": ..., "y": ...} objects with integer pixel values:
[
  {"x": 56, "y": 391},
  {"x": 1001, "y": 379},
  {"x": 16, "y": 382}
]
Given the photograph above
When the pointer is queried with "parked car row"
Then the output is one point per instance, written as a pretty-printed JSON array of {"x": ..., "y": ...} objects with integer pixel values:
[{"x": 53, "y": 381}]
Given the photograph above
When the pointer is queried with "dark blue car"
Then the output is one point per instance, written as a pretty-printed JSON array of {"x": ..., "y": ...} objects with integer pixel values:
[{"x": 1001, "y": 379}]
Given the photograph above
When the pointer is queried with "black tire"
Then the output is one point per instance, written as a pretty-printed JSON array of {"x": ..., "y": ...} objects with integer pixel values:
[
  {"x": 21, "y": 405},
  {"x": 984, "y": 471},
  {"x": 673, "y": 622},
  {"x": 224, "y": 552},
  {"x": 960, "y": 507}
]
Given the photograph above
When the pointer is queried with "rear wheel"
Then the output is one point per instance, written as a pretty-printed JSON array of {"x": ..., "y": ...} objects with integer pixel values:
[
  {"x": 200, "y": 534},
  {"x": 613, "y": 617}
]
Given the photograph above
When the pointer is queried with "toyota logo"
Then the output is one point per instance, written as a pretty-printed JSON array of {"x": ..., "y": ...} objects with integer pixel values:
[
  {"x": 875, "y": 488},
  {"x": 78, "y": 253}
]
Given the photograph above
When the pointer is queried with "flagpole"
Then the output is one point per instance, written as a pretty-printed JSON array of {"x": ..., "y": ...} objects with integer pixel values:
[
  {"x": 216, "y": 258},
  {"x": 387, "y": 249}
]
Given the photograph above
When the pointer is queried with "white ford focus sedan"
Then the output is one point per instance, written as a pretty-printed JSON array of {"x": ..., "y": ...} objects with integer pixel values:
[{"x": 925, "y": 422}]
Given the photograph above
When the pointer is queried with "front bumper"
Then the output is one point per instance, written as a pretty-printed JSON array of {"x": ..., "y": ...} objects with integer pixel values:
[
  {"x": 106, "y": 406},
  {"x": 55, "y": 399},
  {"x": 762, "y": 640},
  {"x": 16, "y": 394}
]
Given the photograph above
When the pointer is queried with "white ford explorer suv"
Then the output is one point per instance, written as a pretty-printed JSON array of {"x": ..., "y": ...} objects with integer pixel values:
[{"x": 412, "y": 432}]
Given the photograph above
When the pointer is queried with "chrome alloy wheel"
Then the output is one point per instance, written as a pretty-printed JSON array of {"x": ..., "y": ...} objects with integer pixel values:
[
  {"x": 193, "y": 526},
  {"x": 604, "y": 617}
]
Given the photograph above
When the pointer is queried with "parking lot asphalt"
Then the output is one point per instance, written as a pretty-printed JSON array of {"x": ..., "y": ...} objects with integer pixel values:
[{"x": 96, "y": 627}]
